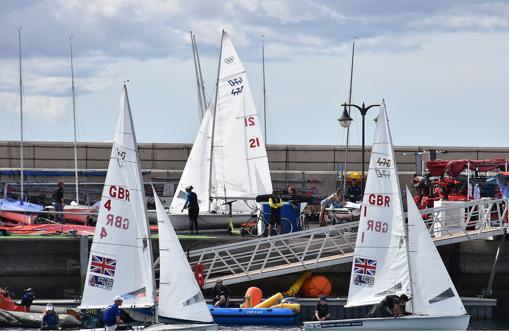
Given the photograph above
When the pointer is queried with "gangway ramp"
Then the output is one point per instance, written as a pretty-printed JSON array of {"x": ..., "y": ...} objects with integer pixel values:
[{"x": 332, "y": 245}]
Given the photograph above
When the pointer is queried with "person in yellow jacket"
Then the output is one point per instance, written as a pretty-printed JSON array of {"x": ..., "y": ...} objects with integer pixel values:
[{"x": 275, "y": 203}]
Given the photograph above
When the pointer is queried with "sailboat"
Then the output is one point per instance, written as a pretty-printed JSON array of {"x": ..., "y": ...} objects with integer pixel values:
[
  {"x": 228, "y": 163},
  {"x": 391, "y": 260},
  {"x": 79, "y": 213},
  {"x": 8, "y": 206},
  {"x": 121, "y": 260},
  {"x": 181, "y": 302}
]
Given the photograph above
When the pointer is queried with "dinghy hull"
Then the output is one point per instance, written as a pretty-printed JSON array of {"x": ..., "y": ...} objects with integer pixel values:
[
  {"x": 415, "y": 323},
  {"x": 182, "y": 327},
  {"x": 209, "y": 220}
]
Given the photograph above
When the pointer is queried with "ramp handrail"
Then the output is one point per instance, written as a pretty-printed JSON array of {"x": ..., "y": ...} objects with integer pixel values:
[{"x": 326, "y": 246}]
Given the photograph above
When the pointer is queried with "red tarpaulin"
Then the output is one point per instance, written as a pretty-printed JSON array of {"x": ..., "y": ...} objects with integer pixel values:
[{"x": 455, "y": 167}]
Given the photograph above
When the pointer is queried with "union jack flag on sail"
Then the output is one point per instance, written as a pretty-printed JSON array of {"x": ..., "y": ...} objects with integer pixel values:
[
  {"x": 103, "y": 265},
  {"x": 365, "y": 266}
]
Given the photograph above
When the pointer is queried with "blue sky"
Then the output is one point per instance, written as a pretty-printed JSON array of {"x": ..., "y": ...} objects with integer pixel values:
[{"x": 442, "y": 66}]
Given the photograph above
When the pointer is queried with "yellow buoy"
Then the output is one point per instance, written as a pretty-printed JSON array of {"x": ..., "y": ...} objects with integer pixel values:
[
  {"x": 294, "y": 306},
  {"x": 295, "y": 287},
  {"x": 273, "y": 300}
]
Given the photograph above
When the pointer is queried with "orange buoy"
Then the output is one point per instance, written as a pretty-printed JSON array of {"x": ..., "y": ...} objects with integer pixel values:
[
  {"x": 253, "y": 297},
  {"x": 316, "y": 286}
]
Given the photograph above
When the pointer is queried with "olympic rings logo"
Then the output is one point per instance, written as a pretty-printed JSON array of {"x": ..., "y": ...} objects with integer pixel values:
[{"x": 229, "y": 60}]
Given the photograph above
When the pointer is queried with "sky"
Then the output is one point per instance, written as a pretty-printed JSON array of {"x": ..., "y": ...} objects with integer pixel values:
[{"x": 441, "y": 66}]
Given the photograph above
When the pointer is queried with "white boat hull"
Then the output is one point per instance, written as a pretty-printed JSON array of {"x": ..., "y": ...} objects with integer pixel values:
[
  {"x": 182, "y": 327},
  {"x": 415, "y": 323},
  {"x": 209, "y": 220}
]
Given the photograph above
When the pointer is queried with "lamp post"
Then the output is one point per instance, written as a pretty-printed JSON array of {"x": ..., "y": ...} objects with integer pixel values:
[{"x": 345, "y": 121}]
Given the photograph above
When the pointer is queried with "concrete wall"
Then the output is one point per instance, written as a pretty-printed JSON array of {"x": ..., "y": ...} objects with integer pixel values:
[{"x": 307, "y": 167}]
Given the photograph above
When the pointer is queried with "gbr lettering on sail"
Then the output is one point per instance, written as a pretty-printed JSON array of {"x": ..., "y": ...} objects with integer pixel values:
[
  {"x": 379, "y": 200},
  {"x": 112, "y": 220}
]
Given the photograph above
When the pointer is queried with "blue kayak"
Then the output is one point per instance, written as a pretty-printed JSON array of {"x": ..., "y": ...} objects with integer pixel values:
[{"x": 253, "y": 316}]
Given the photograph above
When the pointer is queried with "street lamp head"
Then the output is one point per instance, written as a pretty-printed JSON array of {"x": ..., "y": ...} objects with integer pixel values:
[{"x": 345, "y": 118}]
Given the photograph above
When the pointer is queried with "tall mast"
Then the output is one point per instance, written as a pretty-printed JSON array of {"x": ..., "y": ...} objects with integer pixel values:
[
  {"x": 405, "y": 224},
  {"x": 142, "y": 188},
  {"x": 348, "y": 128},
  {"x": 214, "y": 118},
  {"x": 203, "y": 96},
  {"x": 74, "y": 123},
  {"x": 21, "y": 113},
  {"x": 198, "y": 88},
  {"x": 264, "y": 94}
]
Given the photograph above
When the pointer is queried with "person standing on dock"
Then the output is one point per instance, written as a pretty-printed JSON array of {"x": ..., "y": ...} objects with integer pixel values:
[
  {"x": 58, "y": 202},
  {"x": 50, "y": 320},
  {"x": 354, "y": 192},
  {"x": 275, "y": 203},
  {"x": 503, "y": 185},
  {"x": 27, "y": 298},
  {"x": 193, "y": 209},
  {"x": 336, "y": 197}
]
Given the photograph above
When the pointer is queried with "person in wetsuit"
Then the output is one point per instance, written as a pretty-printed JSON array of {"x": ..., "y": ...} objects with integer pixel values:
[
  {"x": 193, "y": 209},
  {"x": 111, "y": 315},
  {"x": 220, "y": 294},
  {"x": 391, "y": 306},
  {"x": 322, "y": 310},
  {"x": 50, "y": 320}
]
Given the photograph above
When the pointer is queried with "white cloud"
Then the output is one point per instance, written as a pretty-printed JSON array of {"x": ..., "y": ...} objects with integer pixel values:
[{"x": 35, "y": 107}]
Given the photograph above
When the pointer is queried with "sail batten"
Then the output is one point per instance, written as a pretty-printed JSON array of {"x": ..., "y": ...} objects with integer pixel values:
[{"x": 121, "y": 242}]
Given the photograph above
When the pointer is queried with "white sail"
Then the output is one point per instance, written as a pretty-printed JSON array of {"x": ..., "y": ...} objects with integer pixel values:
[
  {"x": 121, "y": 256},
  {"x": 180, "y": 296},
  {"x": 434, "y": 292},
  {"x": 240, "y": 164},
  {"x": 380, "y": 264},
  {"x": 196, "y": 171}
]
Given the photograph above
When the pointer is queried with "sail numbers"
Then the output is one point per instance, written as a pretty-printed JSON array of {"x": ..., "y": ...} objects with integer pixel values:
[
  {"x": 254, "y": 143},
  {"x": 120, "y": 157},
  {"x": 237, "y": 91},
  {"x": 229, "y": 60},
  {"x": 384, "y": 162},
  {"x": 249, "y": 121},
  {"x": 235, "y": 81},
  {"x": 382, "y": 173}
]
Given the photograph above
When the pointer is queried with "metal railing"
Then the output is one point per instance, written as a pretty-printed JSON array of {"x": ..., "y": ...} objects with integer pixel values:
[{"x": 332, "y": 245}]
